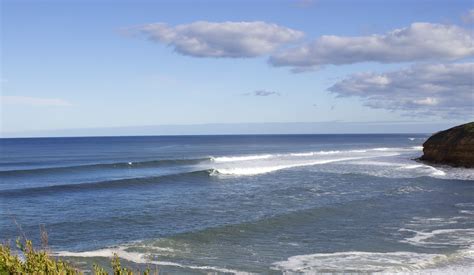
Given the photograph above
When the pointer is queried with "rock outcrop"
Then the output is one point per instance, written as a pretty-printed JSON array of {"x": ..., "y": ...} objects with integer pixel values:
[{"x": 453, "y": 147}]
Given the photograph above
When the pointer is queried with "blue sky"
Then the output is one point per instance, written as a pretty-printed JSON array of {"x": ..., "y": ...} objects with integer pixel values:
[{"x": 98, "y": 64}]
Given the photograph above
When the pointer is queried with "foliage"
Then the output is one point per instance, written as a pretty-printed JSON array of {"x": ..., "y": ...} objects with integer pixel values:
[{"x": 33, "y": 262}]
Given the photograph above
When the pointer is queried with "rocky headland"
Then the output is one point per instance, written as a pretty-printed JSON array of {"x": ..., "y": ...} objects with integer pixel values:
[{"x": 454, "y": 146}]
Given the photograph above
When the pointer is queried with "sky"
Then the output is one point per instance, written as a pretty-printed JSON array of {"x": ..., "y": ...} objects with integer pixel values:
[{"x": 199, "y": 67}]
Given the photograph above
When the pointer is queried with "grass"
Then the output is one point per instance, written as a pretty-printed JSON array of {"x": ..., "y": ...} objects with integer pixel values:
[
  {"x": 29, "y": 260},
  {"x": 469, "y": 127}
]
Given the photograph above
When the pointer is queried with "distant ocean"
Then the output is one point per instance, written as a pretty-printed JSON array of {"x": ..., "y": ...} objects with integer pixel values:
[{"x": 241, "y": 204}]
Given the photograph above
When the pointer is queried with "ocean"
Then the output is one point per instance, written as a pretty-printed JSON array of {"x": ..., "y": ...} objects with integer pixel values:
[{"x": 241, "y": 204}]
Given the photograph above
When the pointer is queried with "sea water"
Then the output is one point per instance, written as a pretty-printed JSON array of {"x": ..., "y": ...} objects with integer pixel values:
[{"x": 241, "y": 204}]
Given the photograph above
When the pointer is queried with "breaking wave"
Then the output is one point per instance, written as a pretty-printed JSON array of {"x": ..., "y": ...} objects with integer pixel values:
[
  {"x": 241, "y": 158},
  {"x": 249, "y": 165},
  {"x": 247, "y": 171},
  {"x": 434, "y": 171},
  {"x": 139, "y": 258}
]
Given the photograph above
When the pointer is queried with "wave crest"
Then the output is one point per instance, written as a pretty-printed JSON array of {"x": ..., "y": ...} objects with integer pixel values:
[
  {"x": 248, "y": 171},
  {"x": 241, "y": 158}
]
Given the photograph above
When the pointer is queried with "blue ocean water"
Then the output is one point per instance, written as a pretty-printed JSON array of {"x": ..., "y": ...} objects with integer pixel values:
[{"x": 241, "y": 204}]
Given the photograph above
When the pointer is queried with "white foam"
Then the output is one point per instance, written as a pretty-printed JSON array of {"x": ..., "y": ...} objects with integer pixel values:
[
  {"x": 431, "y": 233},
  {"x": 409, "y": 189},
  {"x": 247, "y": 171},
  {"x": 358, "y": 261},
  {"x": 139, "y": 258},
  {"x": 465, "y": 204},
  {"x": 106, "y": 252},
  {"x": 358, "y": 151},
  {"x": 435, "y": 171},
  {"x": 412, "y": 148},
  {"x": 242, "y": 158},
  {"x": 267, "y": 156},
  {"x": 412, "y": 166},
  {"x": 424, "y": 222},
  {"x": 383, "y": 149},
  {"x": 223, "y": 159},
  {"x": 308, "y": 154},
  {"x": 333, "y": 152},
  {"x": 390, "y": 167},
  {"x": 459, "y": 173},
  {"x": 444, "y": 237},
  {"x": 450, "y": 270},
  {"x": 376, "y": 163}
]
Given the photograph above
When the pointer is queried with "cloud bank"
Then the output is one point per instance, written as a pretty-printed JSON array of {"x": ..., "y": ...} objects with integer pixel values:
[
  {"x": 226, "y": 39},
  {"x": 418, "y": 42},
  {"x": 33, "y": 101},
  {"x": 444, "y": 90}
]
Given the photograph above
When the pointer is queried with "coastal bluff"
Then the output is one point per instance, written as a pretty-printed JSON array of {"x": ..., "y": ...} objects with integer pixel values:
[{"x": 454, "y": 146}]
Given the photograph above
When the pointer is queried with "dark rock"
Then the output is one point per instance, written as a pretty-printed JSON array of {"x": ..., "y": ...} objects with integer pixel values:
[{"x": 453, "y": 147}]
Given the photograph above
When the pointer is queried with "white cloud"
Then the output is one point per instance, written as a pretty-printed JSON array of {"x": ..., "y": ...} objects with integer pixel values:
[
  {"x": 468, "y": 17},
  {"x": 443, "y": 90},
  {"x": 262, "y": 93},
  {"x": 418, "y": 42},
  {"x": 33, "y": 101},
  {"x": 225, "y": 39}
]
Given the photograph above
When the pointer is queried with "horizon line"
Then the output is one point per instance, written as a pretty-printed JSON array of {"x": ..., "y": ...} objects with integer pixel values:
[
  {"x": 222, "y": 135},
  {"x": 242, "y": 128}
]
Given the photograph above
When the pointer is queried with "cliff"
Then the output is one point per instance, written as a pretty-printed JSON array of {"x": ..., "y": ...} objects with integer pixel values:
[{"x": 454, "y": 146}]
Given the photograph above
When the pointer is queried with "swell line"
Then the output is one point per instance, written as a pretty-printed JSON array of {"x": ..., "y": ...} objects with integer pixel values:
[
  {"x": 129, "y": 182},
  {"x": 117, "y": 165}
]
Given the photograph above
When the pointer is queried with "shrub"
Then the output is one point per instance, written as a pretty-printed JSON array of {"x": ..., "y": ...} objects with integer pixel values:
[{"x": 33, "y": 262}]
